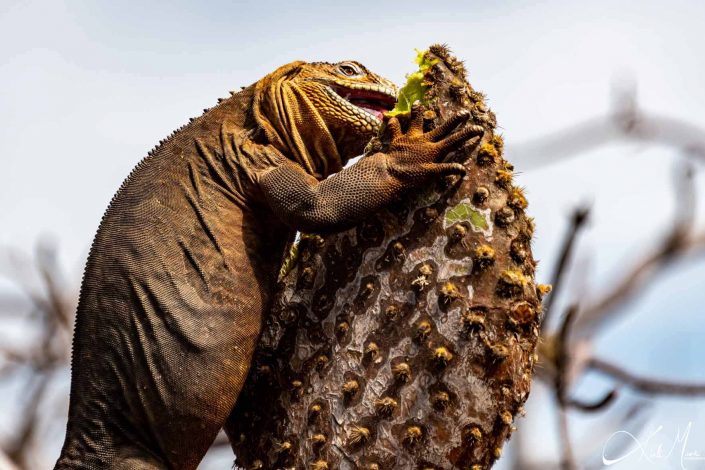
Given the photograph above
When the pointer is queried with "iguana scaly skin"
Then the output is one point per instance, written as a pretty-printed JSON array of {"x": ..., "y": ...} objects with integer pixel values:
[{"x": 185, "y": 260}]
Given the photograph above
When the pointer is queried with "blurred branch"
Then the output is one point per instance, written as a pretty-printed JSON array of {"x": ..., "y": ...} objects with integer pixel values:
[
  {"x": 645, "y": 384},
  {"x": 20, "y": 449},
  {"x": 44, "y": 352},
  {"x": 633, "y": 282},
  {"x": 578, "y": 219},
  {"x": 626, "y": 121},
  {"x": 598, "y": 405},
  {"x": 560, "y": 364},
  {"x": 677, "y": 242},
  {"x": 5, "y": 462},
  {"x": 562, "y": 144},
  {"x": 13, "y": 355},
  {"x": 46, "y": 264},
  {"x": 562, "y": 361}
]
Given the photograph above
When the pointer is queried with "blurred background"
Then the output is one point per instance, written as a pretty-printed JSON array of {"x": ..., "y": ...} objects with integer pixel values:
[{"x": 601, "y": 106}]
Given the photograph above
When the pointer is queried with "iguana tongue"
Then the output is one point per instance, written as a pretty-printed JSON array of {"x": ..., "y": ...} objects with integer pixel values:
[
  {"x": 373, "y": 102},
  {"x": 373, "y": 106}
]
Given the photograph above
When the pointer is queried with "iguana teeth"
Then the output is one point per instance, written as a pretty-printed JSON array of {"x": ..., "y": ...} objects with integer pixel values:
[
  {"x": 388, "y": 91},
  {"x": 359, "y": 112}
]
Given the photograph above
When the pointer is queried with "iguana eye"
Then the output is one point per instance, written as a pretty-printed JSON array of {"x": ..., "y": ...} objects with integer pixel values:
[{"x": 349, "y": 70}]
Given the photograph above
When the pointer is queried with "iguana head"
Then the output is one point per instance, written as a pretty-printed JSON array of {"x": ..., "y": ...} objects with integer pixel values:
[
  {"x": 322, "y": 114},
  {"x": 351, "y": 100}
]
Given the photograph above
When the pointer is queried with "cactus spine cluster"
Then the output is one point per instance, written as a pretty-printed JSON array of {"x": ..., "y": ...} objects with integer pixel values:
[{"x": 408, "y": 341}]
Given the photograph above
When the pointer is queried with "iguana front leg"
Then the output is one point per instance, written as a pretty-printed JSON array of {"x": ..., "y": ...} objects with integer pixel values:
[{"x": 342, "y": 200}]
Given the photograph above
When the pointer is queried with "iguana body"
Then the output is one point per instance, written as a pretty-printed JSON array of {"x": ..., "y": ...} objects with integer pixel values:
[{"x": 185, "y": 260}]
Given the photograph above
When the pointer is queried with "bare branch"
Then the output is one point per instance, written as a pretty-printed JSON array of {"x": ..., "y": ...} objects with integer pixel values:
[
  {"x": 676, "y": 243},
  {"x": 561, "y": 384},
  {"x": 565, "y": 143},
  {"x": 625, "y": 122},
  {"x": 598, "y": 405},
  {"x": 567, "y": 457},
  {"x": 6, "y": 463},
  {"x": 646, "y": 384},
  {"x": 20, "y": 448},
  {"x": 562, "y": 358},
  {"x": 578, "y": 219},
  {"x": 46, "y": 264}
]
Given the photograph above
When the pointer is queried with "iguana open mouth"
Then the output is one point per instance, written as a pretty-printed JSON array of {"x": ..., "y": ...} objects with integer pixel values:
[{"x": 371, "y": 98}]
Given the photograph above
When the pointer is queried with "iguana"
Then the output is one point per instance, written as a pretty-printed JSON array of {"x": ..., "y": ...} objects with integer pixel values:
[{"x": 185, "y": 260}]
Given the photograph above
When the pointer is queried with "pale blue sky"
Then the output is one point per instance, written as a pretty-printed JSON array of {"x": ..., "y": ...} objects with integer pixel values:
[{"x": 87, "y": 88}]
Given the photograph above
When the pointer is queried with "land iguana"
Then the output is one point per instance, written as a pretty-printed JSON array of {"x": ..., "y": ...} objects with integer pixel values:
[{"x": 185, "y": 260}]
